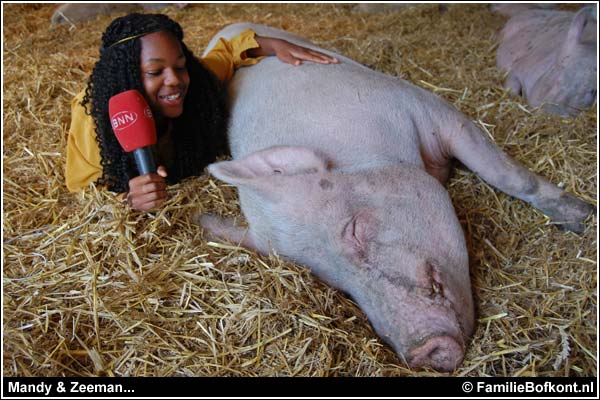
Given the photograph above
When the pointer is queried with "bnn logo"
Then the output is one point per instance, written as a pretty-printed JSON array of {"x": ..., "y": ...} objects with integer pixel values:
[{"x": 123, "y": 119}]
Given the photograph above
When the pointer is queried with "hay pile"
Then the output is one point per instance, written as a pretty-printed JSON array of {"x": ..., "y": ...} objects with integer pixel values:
[{"x": 92, "y": 289}]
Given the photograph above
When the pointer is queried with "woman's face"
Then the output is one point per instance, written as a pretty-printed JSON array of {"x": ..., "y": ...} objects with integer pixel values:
[{"x": 164, "y": 73}]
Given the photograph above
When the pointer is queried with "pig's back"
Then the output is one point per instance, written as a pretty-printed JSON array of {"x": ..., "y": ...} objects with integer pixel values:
[
  {"x": 356, "y": 116},
  {"x": 534, "y": 34}
]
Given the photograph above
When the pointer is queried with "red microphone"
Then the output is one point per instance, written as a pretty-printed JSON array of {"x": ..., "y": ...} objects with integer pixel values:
[{"x": 133, "y": 125}]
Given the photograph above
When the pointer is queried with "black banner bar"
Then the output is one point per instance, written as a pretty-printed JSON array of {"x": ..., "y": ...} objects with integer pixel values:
[{"x": 444, "y": 387}]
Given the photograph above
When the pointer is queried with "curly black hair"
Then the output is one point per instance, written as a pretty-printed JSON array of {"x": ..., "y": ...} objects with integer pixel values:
[{"x": 199, "y": 133}]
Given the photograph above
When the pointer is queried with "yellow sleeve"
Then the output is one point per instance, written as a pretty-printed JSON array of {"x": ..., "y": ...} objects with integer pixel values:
[
  {"x": 83, "y": 155},
  {"x": 227, "y": 56}
]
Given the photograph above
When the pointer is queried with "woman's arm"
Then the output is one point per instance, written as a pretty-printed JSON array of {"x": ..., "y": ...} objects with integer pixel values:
[
  {"x": 245, "y": 49},
  {"x": 288, "y": 52}
]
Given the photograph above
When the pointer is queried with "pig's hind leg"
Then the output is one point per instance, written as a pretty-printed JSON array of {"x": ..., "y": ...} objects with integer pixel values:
[{"x": 469, "y": 145}]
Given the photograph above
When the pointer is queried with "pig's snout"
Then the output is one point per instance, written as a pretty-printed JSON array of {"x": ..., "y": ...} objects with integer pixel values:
[{"x": 442, "y": 353}]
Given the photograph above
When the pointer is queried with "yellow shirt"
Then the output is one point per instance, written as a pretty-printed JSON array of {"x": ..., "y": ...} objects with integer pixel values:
[{"x": 83, "y": 154}]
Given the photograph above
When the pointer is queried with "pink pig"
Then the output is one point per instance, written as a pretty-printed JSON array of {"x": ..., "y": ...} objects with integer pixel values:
[
  {"x": 550, "y": 57},
  {"x": 341, "y": 168}
]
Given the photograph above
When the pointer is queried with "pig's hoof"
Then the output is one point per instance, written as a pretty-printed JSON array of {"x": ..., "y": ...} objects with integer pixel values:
[
  {"x": 579, "y": 211},
  {"x": 442, "y": 353},
  {"x": 575, "y": 227}
]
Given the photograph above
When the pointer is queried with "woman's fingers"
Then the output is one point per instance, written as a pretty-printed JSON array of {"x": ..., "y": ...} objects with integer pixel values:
[
  {"x": 162, "y": 171},
  {"x": 304, "y": 54},
  {"x": 147, "y": 191},
  {"x": 148, "y": 201},
  {"x": 295, "y": 55},
  {"x": 317, "y": 56}
]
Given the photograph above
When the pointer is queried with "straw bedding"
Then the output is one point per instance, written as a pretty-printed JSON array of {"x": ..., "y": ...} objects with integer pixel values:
[{"x": 91, "y": 288}]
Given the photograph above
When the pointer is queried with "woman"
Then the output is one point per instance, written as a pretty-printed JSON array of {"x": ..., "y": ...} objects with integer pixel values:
[{"x": 146, "y": 52}]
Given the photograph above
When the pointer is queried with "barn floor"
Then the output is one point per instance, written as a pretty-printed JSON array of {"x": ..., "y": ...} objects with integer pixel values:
[{"x": 92, "y": 289}]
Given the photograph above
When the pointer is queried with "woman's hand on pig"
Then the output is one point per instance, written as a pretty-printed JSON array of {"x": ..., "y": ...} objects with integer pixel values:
[
  {"x": 289, "y": 52},
  {"x": 148, "y": 191}
]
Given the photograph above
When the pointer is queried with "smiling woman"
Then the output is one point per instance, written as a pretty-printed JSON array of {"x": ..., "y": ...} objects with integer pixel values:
[
  {"x": 146, "y": 52},
  {"x": 164, "y": 75}
]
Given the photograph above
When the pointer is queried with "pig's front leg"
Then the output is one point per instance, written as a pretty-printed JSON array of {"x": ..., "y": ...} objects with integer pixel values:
[
  {"x": 468, "y": 144},
  {"x": 221, "y": 228}
]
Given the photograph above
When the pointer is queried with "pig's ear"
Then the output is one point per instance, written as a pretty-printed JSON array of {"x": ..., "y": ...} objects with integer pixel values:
[
  {"x": 578, "y": 24},
  {"x": 274, "y": 161}
]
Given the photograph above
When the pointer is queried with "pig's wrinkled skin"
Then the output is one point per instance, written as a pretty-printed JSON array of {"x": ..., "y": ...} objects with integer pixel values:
[
  {"x": 550, "y": 57},
  {"x": 80, "y": 12},
  {"x": 336, "y": 167}
]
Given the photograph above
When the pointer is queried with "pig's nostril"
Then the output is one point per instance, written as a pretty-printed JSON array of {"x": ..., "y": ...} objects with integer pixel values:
[{"x": 442, "y": 353}]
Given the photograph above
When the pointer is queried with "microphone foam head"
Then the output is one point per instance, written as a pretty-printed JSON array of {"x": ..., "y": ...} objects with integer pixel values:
[{"x": 131, "y": 120}]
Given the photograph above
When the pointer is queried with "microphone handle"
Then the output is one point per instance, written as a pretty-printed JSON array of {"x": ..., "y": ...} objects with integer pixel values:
[{"x": 144, "y": 160}]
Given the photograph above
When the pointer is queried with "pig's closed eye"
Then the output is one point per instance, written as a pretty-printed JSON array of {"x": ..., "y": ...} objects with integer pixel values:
[
  {"x": 358, "y": 232},
  {"x": 350, "y": 233}
]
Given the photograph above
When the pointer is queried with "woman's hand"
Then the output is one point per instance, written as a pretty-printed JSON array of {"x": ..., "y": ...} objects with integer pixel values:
[
  {"x": 289, "y": 52},
  {"x": 148, "y": 191}
]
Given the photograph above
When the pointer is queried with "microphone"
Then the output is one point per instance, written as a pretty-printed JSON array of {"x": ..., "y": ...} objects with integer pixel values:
[{"x": 132, "y": 122}]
